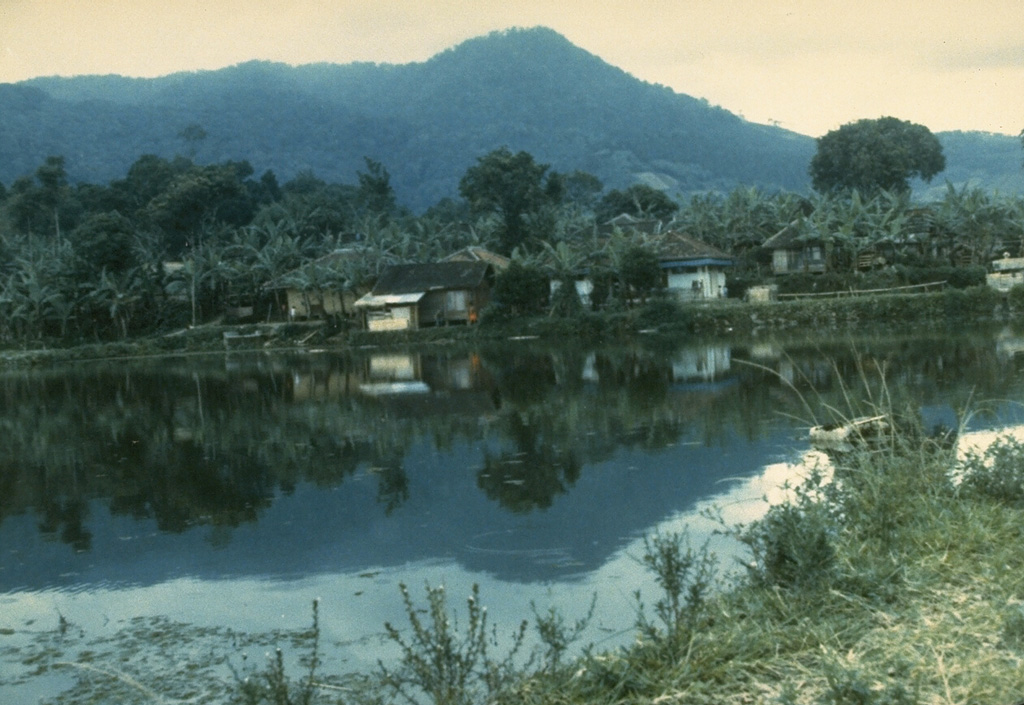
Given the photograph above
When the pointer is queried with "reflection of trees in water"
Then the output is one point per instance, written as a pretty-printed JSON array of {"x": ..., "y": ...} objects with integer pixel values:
[
  {"x": 392, "y": 484},
  {"x": 214, "y": 452},
  {"x": 533, "y": 472},
  {"x": 65, "y": 519},
  {"x": 185, "y": 444}
]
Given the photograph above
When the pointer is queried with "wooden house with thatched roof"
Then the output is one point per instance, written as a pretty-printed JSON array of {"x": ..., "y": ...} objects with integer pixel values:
[
  {"x": 408, "y": 296},
  {"x": 793, "y": 251},
  {"x": 320, "y": 288}
]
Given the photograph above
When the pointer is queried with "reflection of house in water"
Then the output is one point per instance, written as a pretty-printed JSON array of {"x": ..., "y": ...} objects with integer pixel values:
[
  {"x": 322, "y": 384},
  {"x": 706, "y": 363},
  {"x": 412, "y": 384},
  {"x": 1008, "y": 345},
  {"x": 445, "y": 384},
  {"x": 818, "y": 373},
  {"x": 393, "y": 373},
  {"x": 701, "y": 364}
]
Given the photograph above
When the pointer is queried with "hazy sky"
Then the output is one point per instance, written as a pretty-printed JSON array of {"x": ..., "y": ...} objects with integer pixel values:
[{"x": 810, "y": 65}]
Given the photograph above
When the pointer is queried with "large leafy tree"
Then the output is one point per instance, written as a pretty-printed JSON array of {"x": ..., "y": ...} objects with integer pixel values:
[
  {"x": 515, "y": 188},
  {"x": 105, "y": 241},
  {"x": 198, "y": 197},
  {"x": 876, "y": 155},
  {"x": 640, "y": 272},
  {"x": 520, "y": 290},
  {"x": 43, "y": 204},
  {"x": 375, "y": 194}
]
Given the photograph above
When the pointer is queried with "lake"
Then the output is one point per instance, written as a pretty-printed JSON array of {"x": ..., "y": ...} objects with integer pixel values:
[{"x": 211, "y": 499}]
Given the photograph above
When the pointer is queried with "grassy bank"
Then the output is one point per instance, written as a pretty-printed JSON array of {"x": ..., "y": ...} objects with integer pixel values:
[{"x": 894, "y": 576}]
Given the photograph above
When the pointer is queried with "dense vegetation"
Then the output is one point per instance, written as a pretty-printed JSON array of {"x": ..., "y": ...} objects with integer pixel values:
[{"x": 175, "y": 242}]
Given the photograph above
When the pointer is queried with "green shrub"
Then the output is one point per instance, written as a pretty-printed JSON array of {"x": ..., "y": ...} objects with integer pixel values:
[
  {"x": 1015, "y": 299},
  {"x": 520, "y": 290},
  {"x": 977, "y": 302},
  {"x": 686, "y": 577},
  {"x": 896, "y": 276},
  {"x": 997, "y": 474},
  {"x": 556, "y": 636},
  {"x": 793, "y": 546},
  {"x": 663, "y": 313}
]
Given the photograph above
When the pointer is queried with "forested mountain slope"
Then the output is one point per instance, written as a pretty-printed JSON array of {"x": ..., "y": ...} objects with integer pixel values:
[{"x": 426, "y": 122}]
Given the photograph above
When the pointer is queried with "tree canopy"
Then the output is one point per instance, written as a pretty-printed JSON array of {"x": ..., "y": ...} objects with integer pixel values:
[
  {"x": 876, "y": 155},
  {"x": 513, "y": 186},
  {"x": 638, "y": 200}
]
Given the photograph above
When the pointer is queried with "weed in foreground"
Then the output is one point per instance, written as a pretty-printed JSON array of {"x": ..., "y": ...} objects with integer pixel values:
[
  {"x": 556, "y": 636},
  {"x": 686, "y": 577},
  {"x": 794, "y": 544},
  {"x": 444, "y": 665},
  {"x": 272, "y": 686}
]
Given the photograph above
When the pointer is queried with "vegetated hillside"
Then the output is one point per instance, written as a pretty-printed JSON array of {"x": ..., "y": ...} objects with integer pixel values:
[
  {"x": 978, "y": 159},
  {"x": 426, "y": 122},
  {"x": 528, "y": 89}
]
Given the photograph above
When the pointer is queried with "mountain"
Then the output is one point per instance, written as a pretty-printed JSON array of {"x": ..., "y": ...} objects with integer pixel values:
[
  {"x": 527, "y": 89},
  {"x": 982, "y": 159}
]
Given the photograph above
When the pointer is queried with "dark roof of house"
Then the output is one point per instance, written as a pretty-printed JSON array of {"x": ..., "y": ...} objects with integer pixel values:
[
  {"x": 413, "y": 278},
  {"x": 473, "y": 253},
  {"x": 789, "y": 236},
  {"x": 626, "y": 222},
  {"x": 676, "y": 246}
]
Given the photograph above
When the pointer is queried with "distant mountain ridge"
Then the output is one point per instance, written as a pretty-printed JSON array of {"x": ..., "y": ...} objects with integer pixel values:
[{"x": 528, "y": 89}]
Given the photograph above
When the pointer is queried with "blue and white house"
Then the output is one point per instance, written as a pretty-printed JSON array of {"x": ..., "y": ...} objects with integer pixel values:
[{"x": 693, "y": 270}]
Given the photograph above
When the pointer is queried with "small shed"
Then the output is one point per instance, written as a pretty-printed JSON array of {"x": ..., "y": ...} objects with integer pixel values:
[{"x": 408, "y": 296}]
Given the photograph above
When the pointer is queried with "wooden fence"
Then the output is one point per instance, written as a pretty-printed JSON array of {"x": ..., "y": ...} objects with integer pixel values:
[{"x": 910, "y": 289}]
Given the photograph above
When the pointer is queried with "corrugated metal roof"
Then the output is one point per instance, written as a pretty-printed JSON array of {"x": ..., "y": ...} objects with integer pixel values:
[{"x": 379, "y": 301}]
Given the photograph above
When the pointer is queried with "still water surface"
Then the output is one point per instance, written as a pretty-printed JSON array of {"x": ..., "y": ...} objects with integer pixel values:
[{"x": 230, "y": 491}]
